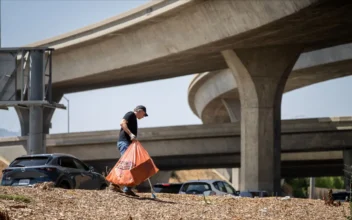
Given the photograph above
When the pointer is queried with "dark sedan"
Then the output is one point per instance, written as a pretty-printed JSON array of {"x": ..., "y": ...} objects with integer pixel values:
[{"x": 65, "y": 170}]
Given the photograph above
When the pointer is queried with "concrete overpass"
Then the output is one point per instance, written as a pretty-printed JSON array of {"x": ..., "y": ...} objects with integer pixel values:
[
  {"x": 214, "y": 98},
  {"x": 159, "y": 40},
  {"x": 184, "y": 37},
  {"x": 306, "y": 144}
]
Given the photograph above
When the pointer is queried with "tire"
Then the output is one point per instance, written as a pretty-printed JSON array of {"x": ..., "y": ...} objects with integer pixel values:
[
  {"x": 102, "y": 187},
  {"x": 64, "y": 185}
]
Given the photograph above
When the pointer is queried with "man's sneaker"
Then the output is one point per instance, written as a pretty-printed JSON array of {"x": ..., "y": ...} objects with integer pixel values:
[
  {"x": 115, "y": 188},
  {"x": 131, "y": 193}
]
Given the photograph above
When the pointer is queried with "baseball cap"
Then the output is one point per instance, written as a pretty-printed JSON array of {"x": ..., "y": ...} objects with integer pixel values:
[{"x": 143, "y": 108}]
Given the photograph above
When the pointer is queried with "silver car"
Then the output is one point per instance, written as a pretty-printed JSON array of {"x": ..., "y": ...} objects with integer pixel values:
[{"x": 211, "y": 187}]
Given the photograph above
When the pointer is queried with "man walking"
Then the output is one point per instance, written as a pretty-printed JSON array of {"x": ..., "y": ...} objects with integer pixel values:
[{"x": 128, "y": 133}]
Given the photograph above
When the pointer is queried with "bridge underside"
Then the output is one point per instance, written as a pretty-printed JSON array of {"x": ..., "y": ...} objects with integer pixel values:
[
  {"x": 292, "y": 168},
  {"x": 320, "y": 25}
]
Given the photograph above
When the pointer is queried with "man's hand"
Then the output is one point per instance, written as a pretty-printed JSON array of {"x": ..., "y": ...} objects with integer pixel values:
[{"x": 133, "y": 137}]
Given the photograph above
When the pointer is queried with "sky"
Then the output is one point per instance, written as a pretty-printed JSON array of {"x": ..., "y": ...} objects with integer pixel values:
[{"x": 28, "y": 21}]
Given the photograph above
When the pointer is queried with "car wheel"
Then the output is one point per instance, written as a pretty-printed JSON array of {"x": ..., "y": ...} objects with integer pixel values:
[
  {"x": 103, "y": 186},
  {"x": 64, "y": 185}
]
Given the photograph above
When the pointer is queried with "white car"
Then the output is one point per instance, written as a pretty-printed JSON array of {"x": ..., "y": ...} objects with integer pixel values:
[{"x": 211, "y": 187}]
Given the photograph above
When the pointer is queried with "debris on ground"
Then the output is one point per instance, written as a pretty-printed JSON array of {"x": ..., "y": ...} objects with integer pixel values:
[
  {"x": 107, "y": 204},
  {"x": 4, "y": 215},
  {"x": 3, "y": 165},
  {"x": 286, "y": 198},
  {"x": 330, "y": 200},
  {"x": 44, "y": 185}
]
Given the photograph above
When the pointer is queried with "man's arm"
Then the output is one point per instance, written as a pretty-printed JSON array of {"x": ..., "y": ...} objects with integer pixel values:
[{"x": 124, "y": 126}]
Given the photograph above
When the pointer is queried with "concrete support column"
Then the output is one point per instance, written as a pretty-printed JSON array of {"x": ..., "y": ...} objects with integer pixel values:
[
  {"x": 236, "y": 178},
  {"x": 261, "y": 74},
  {"x": 347, "y": 161},
  {"x": 233, "y": 108},
  {"x": 36, "y": 93},
  {"x": 312, "y": 188},
  {"x": 23, "y": 115}
]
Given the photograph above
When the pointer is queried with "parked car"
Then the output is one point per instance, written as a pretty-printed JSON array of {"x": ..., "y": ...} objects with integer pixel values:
[
  {"x": 167, "y": 188},
  {"x": 212, "y": 187},
  {"x": 253, "y": 194},
  {"x": 65, "y": 170},
  {"x": 341, "y": 196}
]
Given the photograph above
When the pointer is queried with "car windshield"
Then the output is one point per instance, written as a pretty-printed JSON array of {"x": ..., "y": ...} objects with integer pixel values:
[
  {"x": 196, "y": 187},
  {"x": 29, "y": 161},
  {"x": 340, "y": 196},
  {"x": 259, "y": 193},
  {"x": 167, "y": 188}
]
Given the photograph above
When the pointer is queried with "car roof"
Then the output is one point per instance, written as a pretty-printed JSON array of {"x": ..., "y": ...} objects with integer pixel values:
[
  {"x": 168, "y": 183},
  {"x": 204, "y": 181},
  {"x": 48, "y": 155},
  {"x": 343, "y": 192}
]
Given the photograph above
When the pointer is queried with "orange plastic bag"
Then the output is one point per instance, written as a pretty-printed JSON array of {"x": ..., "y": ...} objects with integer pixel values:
[{"x": 133, "y": 168}]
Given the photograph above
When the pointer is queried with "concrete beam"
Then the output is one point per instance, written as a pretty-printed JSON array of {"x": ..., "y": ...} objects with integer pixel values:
[
  {"x": 309, "y": 135},
  {"x": 292, "y": 165},
  {"x": 307, "y": 142}
]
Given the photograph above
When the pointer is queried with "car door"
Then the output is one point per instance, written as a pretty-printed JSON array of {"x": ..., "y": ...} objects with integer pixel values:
[
  {"x": 88, "y": 179},
  {"x": 221, "y": 190},
  {"x": 69, "y": 169},
  {"x": 74, "y": 172},
  {"x": 229, "y": 188}
]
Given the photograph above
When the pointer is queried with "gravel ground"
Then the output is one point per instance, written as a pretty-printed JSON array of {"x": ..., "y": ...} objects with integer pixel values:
[{"x": 105, "y": 204}]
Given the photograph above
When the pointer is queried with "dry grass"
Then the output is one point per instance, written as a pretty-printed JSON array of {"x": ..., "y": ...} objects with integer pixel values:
[
  {"x": 18, "y": 198},
  {"x": 83, "y": 204}
]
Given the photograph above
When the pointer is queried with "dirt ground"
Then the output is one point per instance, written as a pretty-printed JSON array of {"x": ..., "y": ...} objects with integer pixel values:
[{"x": 88, "y": 204}]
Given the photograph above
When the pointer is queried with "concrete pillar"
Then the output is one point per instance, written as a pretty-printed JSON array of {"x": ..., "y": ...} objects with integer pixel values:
[
  {"x": 36, "y": 93},
  {"x": 236, "y": 178},
  {"x": 233, "y": 108},
  {"x": 312, "y": 188},
  {"x": 347, "y": 161},
  {"x": 23, "y": 115},
  {"x": 261, "y": 74}
]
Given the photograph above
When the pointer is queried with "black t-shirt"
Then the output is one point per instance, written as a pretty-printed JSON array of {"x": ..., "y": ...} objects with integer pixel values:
[{"x": 131, "y": 119}]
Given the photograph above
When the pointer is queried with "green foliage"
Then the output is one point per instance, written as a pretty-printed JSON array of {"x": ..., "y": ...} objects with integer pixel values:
[
  {"x": 330, "y": 182},
  {"x": 300, "y": 185},
  {"x": 18, "y": 198}
]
